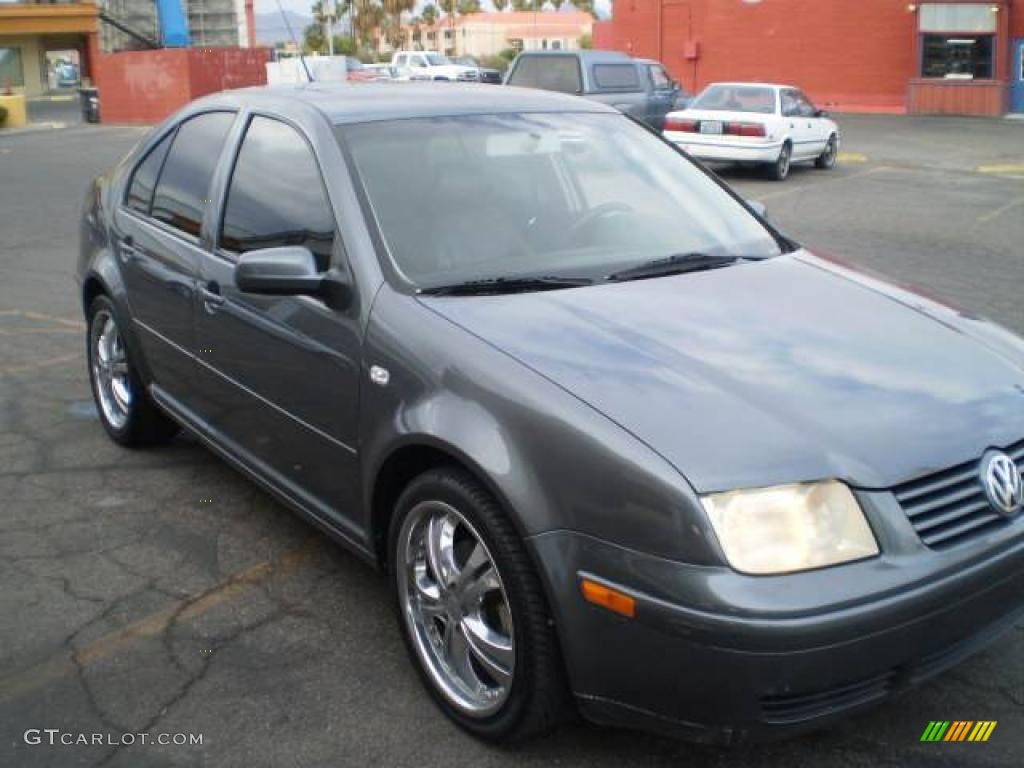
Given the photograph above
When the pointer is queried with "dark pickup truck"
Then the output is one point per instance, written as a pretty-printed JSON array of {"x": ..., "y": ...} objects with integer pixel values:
[{"x": 641, "y": 88}]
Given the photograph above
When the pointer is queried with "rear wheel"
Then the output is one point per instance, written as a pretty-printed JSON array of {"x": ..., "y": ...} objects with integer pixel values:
[
  {"x": 472, "y": 611},
  {"x": 827, "y": 159},
  {"x": 779, "y": 170},
  {"x": 125, "y": 409}
]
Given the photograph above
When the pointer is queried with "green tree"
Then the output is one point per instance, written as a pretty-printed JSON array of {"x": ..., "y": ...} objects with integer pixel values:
[
  {"x": 499, "y": 5},
  {"x": 467, "y": 7},
  {"x": 313, "y": 40},
  {"x": 429, "y": 14},
  {"x": 585, "y": 42},
  {"x": 587, "y": 6},
  {"x": 557, "y": 4},
  {"x": 521, "y": 5}
]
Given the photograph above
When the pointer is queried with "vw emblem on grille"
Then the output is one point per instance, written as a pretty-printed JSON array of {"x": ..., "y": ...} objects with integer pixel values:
[{"x": 1003, "y": 485}]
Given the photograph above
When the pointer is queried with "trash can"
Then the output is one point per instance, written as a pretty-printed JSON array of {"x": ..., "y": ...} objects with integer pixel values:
[{"x": 90, "y": 99}]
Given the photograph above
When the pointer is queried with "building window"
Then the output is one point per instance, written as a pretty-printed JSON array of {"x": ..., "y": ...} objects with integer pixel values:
[
  {"x": 957, "y": 58},
  {"x": 957, "y": 40},
  {"x": 11, "y": 73}
]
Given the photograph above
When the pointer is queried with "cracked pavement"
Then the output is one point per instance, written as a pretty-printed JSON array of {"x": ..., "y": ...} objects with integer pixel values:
[{"x": 130, "y": 604}]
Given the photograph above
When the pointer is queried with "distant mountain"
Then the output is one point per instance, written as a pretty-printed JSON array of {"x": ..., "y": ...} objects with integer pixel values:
[{"x": 271, "y": 27}]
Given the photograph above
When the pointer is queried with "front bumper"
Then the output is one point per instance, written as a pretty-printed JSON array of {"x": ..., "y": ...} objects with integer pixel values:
[
  {"x": 720, "y": 149},
  {"x": 700, "y": 660}
]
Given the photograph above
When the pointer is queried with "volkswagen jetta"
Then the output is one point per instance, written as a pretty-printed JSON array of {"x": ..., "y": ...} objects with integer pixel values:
[{"x": 616, "y": 441}]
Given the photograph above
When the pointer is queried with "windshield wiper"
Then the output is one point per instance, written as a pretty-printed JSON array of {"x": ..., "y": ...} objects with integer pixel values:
[
  {"x": 494, "y": 285},
  {"x": 676, "y": 264}
]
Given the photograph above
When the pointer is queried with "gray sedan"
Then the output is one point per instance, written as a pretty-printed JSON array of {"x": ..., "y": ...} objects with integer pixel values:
[{"x": 618, "y": 444}]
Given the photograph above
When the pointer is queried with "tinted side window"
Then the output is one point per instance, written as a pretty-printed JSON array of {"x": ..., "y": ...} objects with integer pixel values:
[
  {"x": 550, "y": 73},
  {"x": 140, "y": 192},
  {"x": 185, "y": 180},
  {"x": 620, "y": 77},
  {"x": 276, "y": 196},
  {"x": 790, "y": 105}
]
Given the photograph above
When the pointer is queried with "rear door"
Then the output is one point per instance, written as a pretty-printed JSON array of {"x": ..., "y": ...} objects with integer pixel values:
[
  {"x": 279, "y": 375},
  {"x": 158, "y": 248}
]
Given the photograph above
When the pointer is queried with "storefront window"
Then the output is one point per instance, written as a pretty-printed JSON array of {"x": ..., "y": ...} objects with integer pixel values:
[
  {"x": 963, "y": 58},
  {"x": 11, "y": 73},
  {"x": 957, "y": 40}
]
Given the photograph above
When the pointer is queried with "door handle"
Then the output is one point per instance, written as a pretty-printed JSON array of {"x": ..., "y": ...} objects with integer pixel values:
[
  {"x": 127, "y": 250},
  {"x": 212, "y": 297}
]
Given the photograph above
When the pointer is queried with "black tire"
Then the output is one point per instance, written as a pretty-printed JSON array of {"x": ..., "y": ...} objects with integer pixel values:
[
  {"x": 827, "y": 159},
  {"x": 779, "y": 170},
  {"x": 538, "y": 695},
  {"x": 144, "y": 423}
]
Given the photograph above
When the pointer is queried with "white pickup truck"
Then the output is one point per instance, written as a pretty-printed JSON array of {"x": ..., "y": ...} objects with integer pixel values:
[{"x": 429, "y": 65}]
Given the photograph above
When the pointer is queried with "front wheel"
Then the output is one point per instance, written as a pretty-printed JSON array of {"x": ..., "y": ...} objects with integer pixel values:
[
  {"x": 779, "y": 170},
  {"x": 472, "y": 611},
  {"x": 827, "y": 159}
]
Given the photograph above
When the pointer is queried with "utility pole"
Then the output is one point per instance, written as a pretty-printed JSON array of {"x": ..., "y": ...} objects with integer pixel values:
[{"x": 330, "y": 8}]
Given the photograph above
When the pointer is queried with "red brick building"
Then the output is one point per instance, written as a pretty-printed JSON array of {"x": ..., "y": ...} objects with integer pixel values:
[{"x": 856, "y": 55}]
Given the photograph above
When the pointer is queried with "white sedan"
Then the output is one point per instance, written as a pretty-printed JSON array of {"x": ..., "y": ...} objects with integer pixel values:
[{"x": 758, "y": 123}]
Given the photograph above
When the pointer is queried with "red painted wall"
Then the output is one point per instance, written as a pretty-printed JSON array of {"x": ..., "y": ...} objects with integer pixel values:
[
  {"x": 602, "y": 35},
  {"x": 856, "y": 55},
  {"x": 147, "y": 86}
]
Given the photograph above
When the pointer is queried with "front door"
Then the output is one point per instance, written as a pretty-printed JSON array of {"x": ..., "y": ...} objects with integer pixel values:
[
  {"x": 1017, "y": 88},
  {"x": 278, "y": 376},
  {"x": 158, "y": 244}
]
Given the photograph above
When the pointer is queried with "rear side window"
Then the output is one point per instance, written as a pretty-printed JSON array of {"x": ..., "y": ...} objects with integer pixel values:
[
  {"x": 660, "y": 79},
  {"x": 181, "y": 193},
  {"x": 549, "y": 73},
  {"x": 619, "y": 77},
  {"x": 140, "y": 191},
  {"x": 277, "y": 196}
]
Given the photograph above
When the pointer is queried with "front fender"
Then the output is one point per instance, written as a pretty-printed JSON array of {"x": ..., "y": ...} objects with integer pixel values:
[{"x": 552, "y": 460}]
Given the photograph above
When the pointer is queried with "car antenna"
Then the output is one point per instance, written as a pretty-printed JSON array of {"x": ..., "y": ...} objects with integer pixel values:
[{"x": 291, "y": 34}]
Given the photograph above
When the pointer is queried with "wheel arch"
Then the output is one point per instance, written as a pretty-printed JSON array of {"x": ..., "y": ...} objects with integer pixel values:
[{"x": 410, "y": 458}]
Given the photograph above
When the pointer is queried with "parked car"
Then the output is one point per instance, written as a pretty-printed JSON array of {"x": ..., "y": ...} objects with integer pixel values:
[
  {"x": 379, "y": 71},
  {"x": 759, "y": 123},
  {"x": 67, "y": 75},
  {"x": 487, "y": 74},
  {"x": 641, "y": 88},
  {"x": 357, "y": 72},
  {"x": 608, "y": 432},
  {"x": 429, "y": 65}
]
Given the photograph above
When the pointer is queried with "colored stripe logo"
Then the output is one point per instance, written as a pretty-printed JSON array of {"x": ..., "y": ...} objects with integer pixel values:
[{"x": 958, "y": 730}]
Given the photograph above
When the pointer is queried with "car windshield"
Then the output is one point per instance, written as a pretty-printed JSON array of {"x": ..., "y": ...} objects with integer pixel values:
[
  {"x": 736, "y": 98},
  {"x": 575, "y": 195},
  {"x": 437, "y": 60}
]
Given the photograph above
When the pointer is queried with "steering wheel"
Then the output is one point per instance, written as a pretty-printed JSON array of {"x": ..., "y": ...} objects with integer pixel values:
[{"x": 596, "y": 213}]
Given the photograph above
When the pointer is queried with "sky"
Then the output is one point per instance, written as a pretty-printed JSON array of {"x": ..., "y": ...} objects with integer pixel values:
[{"x": 303, "y": 6}]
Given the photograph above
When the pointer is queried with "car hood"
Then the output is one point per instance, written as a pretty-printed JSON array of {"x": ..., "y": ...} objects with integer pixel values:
[{"x": 785, "y": 370}]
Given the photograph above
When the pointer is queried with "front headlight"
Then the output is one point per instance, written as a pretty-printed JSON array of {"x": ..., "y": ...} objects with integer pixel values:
[{"x": 790, "y": 527}]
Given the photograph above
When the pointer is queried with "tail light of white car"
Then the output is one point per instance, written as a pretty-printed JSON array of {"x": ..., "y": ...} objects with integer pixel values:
[{"x": 687, "y": 125}]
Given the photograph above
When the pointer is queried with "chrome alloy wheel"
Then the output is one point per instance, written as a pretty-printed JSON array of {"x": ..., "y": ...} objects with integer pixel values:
[
  {"x": 109, "y": 369},
  {"x": 455, "y": 608}
]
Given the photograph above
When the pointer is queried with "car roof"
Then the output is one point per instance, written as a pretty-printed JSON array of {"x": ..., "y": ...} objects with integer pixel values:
[
  {"x": 344, "y": 103},
  {"x": 585, "y": 55},
  {"x": 755, "y": 85}
]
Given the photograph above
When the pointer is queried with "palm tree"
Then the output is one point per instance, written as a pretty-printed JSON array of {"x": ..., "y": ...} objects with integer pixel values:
[
  {"x": 499, "y": 5},
  {"x": 467, "y": 7},
  {"x": 429, "y": 14}
]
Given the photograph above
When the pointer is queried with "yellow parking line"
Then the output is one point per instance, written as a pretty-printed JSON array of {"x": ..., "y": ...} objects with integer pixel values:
[
  {"x": 851, "y": 157},
  {"x": 18, "y": 684},
  {"x": 1006, "y": 168}
]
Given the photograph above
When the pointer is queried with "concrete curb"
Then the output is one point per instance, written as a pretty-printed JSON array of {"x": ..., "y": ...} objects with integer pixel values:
[{"x": 32, "y": 128}]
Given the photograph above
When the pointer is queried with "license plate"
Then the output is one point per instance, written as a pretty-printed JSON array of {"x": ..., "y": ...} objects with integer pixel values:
[{"x": 711, "y": 126}]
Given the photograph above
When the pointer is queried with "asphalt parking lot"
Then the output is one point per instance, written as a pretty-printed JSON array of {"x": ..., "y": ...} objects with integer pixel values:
[{"x": 159, "y": 592}]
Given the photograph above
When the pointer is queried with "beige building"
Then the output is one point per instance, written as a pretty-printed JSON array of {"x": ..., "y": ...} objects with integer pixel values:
[{"x": 487, "y": 34}]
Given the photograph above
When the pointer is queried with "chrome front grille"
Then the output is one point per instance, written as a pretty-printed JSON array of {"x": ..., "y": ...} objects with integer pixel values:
[{"x": 950, "y": 507}]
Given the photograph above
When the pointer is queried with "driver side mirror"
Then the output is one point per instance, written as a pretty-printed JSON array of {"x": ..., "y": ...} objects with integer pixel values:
[
  {"x": 759, "y": 208},
  {"x": 290, "y": 271}
]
